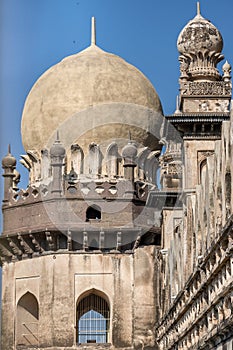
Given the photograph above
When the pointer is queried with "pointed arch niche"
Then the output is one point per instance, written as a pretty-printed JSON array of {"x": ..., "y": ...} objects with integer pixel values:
[
  {"x": 27, "y": 320},
  {"x": 93, "y": 318},
  {"x": 112, "y": 160},
  {"x": 95, "y": 159},
  {"x": 93, "y": 213},
  {"x": 77, "y": 157},
  {"x": 142, "y": 157}
]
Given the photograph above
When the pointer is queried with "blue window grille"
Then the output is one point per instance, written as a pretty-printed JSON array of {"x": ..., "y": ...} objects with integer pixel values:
[{"x": 93, "y": 320}]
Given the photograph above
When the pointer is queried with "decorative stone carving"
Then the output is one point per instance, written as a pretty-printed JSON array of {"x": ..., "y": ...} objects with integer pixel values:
[
  {"x": 69, "y": 241},
  {"x": 226, "y": 71},
  {"x": 26, "y": 247},
  {"x": 37, "y": 245},
  {"x": 85, "y": 241},
  {"x": 15, "y": 248},
  {"x": 50, "y": 240}
]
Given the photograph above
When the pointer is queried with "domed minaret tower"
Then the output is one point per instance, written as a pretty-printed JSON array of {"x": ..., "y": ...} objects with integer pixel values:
[
  {"x": 202, "y": 107},
  {"x": 205, "y": 94},
  {"x": 79, "y": 244}
]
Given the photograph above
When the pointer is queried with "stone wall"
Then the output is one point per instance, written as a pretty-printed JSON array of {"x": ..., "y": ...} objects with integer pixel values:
[
  {"x": 196, "y": 266},
  {"x": 57, "y": 281}
]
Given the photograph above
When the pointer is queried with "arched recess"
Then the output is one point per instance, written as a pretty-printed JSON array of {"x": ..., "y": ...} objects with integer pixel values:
[
  {"x": 77, "y": 157},
  {"x": 228, "y": 192},
  {"x": 112, "y": 160},
  {"x": 95, "y": 159},
  {"x": 93, "y": 213},
  {"x": 93, "y": 318},
  {"x": 203, "y": 166},
  {"x": 151, "y": 166},
  {"x": 142, "y": 156},
  {"x": 27, "y": 320}
]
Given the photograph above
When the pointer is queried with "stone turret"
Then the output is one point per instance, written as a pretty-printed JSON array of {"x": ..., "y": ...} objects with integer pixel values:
[
  {"x": 57, "y": 154},
  {"x": 202, "y": 88},
  {"x": 200, "y": 45},
  {"x": 9, "y": 165},
  {"x": 129, "y": 153}
]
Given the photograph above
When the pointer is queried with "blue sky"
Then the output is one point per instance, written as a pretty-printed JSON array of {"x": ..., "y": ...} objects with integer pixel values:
[{"x": 36, "y": 34}]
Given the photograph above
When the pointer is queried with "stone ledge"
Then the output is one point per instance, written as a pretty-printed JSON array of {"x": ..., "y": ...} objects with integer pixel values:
[{"x": 75, "y": 347}]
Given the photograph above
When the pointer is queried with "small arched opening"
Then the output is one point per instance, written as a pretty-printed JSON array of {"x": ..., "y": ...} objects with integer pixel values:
[
  {"x": 93, "y": 319},
  {"x": 27, "y": 320},
  {"x": 202, "y": 171},
  {"x": 93, "y": 213}
]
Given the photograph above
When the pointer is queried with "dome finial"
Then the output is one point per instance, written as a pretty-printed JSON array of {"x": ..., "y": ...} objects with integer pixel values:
[
  {"x": 93, "y": 31},
  {"x": 198, "y": 9},
  {"x": 58, "y": 138}
]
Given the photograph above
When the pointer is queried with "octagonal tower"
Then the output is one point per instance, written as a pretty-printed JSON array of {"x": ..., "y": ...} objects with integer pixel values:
[{"x": 79, "y": 244}]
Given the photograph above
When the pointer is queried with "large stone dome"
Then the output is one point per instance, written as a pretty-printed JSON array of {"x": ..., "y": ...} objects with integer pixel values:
[{"x": 89, "y": 78}]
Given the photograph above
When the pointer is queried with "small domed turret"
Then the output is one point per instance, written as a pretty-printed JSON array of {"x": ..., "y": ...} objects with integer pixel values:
[
  {"x": 9, "y": 161},
  {"x": 57, "y": 150},
  {"x": 226, "y": 71},
  {"x": 129, "y": 151},
  {"x": 200, "y": 44},
  {"x": 8, "y": 164}
]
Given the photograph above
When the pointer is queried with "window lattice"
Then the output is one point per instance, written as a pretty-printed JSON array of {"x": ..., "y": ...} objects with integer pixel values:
[{"x": 93, "y": 320}]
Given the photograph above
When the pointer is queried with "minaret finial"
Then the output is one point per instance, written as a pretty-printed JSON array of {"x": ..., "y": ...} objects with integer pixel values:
[
  {"x": 93, "y": 32},
  {"x": 9, "y": 148},
  {"x": 198, "y": 8}
]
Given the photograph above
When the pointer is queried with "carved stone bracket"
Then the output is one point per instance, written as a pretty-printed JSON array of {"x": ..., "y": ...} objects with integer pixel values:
[
  {"x": 50, "y": 240},
  {"x": 26, "y": 247},
  {"x": 36, "y": 244},
  {"x": 15, "y": 248}
]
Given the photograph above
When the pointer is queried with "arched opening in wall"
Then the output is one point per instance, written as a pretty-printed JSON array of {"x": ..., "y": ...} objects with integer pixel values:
[
  {"x": 202, "y": 171},
  {"x": 142, "y": 156},
  {"x": 93, "y": 319},
  {"x": 93, "y": 213},
  {"x": 228, "y": 193},
  {"x": 77, "y": 157},
  {"x": 95, "y": 159},
  {"x": 27, "y": 320},
  {"x": 112, "y": 160}
]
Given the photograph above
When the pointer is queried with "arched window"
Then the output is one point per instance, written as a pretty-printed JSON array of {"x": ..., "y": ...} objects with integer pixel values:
[
  {"x": 27, "y": 320},
  {"x": 93, "y": 318},
  {"x": 93, "y": 213}
]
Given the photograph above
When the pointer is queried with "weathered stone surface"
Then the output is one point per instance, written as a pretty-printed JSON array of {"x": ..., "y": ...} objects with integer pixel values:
[
  {"x": 95, "y": 234},
  {"x": 88, "y": 78}
]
